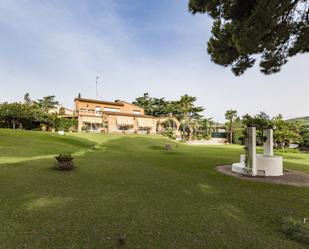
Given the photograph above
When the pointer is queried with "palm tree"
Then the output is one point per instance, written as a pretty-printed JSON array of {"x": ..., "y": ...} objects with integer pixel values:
[
  {"x": 207, "y": 125},
  {"x": 185, "y": 129},
  {"x": 231, "y": 115}
]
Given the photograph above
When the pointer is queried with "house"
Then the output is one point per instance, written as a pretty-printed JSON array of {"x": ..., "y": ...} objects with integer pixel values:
[
  {"x": 113, "y": 117},
  {"x": 219, "y": 130},
  {"x": 61, "y": 111}
]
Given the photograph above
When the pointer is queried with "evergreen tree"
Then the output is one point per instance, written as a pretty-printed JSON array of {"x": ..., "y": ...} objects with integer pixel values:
[
  {"x": 242, "y": 29},
  {"x": 47, "y": 103},
  {"x": 231, "y": 115}
]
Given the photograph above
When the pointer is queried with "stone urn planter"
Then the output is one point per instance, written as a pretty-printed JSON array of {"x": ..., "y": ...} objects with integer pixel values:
[{"x": 64, "y": 162}]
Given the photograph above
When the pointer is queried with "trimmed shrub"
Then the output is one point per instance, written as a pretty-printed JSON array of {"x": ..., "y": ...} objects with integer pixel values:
[{"x": 64, "y": 162}]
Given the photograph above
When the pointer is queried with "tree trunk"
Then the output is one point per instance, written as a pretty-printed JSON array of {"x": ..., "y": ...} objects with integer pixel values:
[
  {"x": 14, "y": 124},
  {"x": 231, "y": 131}
]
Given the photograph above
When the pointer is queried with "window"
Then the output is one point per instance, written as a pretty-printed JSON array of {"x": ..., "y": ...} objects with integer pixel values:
[
  {"x": 97, "y": 111},
  {"x": 109, "y": 109},
  {"x": 137, "y": 112},
  {"x": 82, "y": 110}
]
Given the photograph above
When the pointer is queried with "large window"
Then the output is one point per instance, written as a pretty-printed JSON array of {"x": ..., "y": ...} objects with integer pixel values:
[
  {"x": 110, "y": 109},
  {"x": 92, "y": 127},
  {"x": 97, "y": 111},
  {"x": 137, "y": 112}
]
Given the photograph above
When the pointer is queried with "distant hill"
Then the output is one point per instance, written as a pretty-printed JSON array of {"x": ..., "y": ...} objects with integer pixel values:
[{"x": 304, "y": 119}]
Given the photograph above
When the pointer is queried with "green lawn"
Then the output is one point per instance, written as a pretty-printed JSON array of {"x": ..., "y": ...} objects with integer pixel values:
[{"x": 129, "y": 187}]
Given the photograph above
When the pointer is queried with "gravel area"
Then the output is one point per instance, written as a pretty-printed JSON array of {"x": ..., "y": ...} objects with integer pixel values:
[{"x": 289, "y": 177}]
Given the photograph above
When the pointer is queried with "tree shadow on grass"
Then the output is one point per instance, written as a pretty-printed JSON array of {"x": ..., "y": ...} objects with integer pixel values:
[
  {"x": 77, "y": 153},
  {"x": 46, "y": 147}
]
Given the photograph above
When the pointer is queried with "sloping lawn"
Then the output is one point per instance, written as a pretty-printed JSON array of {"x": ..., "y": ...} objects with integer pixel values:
[
  {"x": 128, "y": 192},
  {"x": 296, "y": 161}
]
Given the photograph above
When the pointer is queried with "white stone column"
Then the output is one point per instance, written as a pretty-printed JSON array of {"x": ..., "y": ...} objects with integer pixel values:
[
  {"x": 252, "y": 149},
  {"x": 269, "y": 143}
]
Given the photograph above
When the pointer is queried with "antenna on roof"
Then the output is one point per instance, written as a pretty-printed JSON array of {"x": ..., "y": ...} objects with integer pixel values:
[{"x": 96, "y": 86}]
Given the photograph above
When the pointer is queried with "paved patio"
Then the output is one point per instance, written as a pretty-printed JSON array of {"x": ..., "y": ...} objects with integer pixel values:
[{"x": 294, "y": 178}]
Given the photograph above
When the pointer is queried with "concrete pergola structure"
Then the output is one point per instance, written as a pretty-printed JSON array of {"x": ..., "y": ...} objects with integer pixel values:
[{"x": 265, "y": 164}]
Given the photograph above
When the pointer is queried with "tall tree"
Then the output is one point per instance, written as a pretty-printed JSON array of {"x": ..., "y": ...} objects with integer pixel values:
[
  {"x": 260, "y": 121},
  {"x": 285, "y": 132},
  {"x": 152, "y": 106},
  {"x": 242, "y": 29},
  {"x": 304, "y": 132},
  {"x": 188, "y": 114},
  {"x": 47, "y": 102},
  {"x": 27, "y": 99},
  {"x": 159, "y": 107},
  {"x": 202, "y": 128},
  {"x": 185, "y": 108},
  {"x": 230, "y": 115},
  {"x": 14, "y": 113}
]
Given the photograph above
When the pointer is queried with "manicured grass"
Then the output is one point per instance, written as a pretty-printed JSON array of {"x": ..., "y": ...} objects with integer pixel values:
[
  {"x": 130, "y": 188},
  {"x": 296, "y": 161}
]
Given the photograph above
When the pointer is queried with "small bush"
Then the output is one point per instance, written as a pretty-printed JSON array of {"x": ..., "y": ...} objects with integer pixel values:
[
  {"x": 296, "y": 230},
  {"x": 64, "y": 162},
  {"x": 287, "y": 150},
  {"x": 168, "y": 146},
  {"x": 304, "y": 149}
]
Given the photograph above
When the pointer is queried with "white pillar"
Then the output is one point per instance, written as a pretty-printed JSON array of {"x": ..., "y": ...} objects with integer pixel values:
[
  {"x": 80, "y": 123},
  {"x": 252, "y": 149},
  {"x": 269, "y": 143}
]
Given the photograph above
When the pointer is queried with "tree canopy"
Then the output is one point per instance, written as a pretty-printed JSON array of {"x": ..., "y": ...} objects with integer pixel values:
[
  {"x": 304, "y": 132},
  {"x": 184, "y": 108},
  {"x": 285, "y": 132},
  {"x": 47, "y": 102},
  {"x": 230, "y": 115},
  {"x": 242, "y": 29},
  {"x": 192, "y": 125},
  {"x": 152, "y": 106},
  {"x": 33, "y": 114}
]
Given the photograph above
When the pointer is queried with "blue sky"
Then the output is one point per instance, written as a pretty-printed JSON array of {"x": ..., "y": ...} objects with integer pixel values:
[{"x": 58, "y": 47}]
